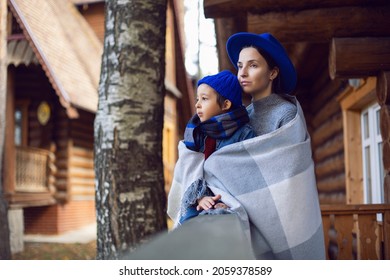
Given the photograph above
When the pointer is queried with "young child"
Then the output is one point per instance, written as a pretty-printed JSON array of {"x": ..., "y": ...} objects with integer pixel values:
[{"x": 220, "y": 120}]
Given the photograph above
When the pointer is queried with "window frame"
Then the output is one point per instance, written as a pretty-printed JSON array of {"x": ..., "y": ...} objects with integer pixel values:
[
  {"x": 353, "y": 101},
  {"x": 373, "y": 193},
  {"x": 23, "y": 104}
]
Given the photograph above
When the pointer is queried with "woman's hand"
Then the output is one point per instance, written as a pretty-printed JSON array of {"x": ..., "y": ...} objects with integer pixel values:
[{"x": 207, "y": 202}]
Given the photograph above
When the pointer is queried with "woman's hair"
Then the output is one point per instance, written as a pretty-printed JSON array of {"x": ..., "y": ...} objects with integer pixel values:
[{"x": 276, "y": 86}]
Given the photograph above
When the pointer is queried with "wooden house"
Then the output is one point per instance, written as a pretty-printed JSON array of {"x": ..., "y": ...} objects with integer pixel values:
[
  {"x": 54, "y": 53},
  {"x": 341, "y": 50}
]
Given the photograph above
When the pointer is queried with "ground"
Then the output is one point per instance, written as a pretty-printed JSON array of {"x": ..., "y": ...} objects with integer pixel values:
[{"x": 57, "y": 251}]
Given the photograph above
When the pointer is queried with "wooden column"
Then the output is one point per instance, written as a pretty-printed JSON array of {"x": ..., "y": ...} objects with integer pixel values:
[
  {"x": 9, "y": 168},
  {"x": 383, "y": 93},
  {"x": 225, "y": 27},
  {"x": 5, "y": 247}
]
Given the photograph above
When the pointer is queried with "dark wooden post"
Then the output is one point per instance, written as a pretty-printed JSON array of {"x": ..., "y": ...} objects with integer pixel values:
[
  {"x": 383, "y": 93},
  {"x": 5, "y": 247}
]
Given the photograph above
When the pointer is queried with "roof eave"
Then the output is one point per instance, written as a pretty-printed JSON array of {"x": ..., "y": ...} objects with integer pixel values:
[{"x": 60, "y": 91}]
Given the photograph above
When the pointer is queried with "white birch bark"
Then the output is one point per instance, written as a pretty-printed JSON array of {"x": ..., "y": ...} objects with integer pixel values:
[{"x": 130, "y": 197}]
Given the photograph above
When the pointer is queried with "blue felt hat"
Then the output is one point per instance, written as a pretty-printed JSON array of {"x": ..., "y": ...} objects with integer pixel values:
[
  {"x": 272, "y": 47},
  {"x": 226, "y": 84}
]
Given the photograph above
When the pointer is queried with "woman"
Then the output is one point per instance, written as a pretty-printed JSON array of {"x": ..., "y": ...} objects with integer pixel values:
[
  {"x": 266, "y": 73},
  {"x": 269, "y": 180}
]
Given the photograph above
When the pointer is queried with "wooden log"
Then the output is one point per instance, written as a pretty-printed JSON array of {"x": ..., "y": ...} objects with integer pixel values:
[
  {"x": 334, "y": 165},
  {"x": 386, "y": 235},
  {"x": 321, "y": 25},
  {"x": 358, "y": 57},
  {"x": 61, "y": 185},
  {"x": 386, "y": 187},
  {"x": 82, "y": 152},
  {"x": 229, "y": 8},
  {"x": 81, "y": 163},
  {"x": 225, "y": 27},
  {"x": 329, "y": 148},
  {"x": 385, "y": 122},
  {"x": 82, "y": 191},
  {"x": 332, "y": 198},
  {"x": 326, "y": 111},
  {"x": 329, "y": 90},
  {"x": 82, "y": 126},
  {"x": 383, "y": 88},
  {"x": 62, "y": 197},
  {"x": 82, "y": 134},
  {"x": 82, "y": 173},
  {"x": 82, "y": 182},
  {"x": 88, "y": 144},
  {"x": 386, "y": 155},
  {"x": 327, "y": 130},
  {"x": 334, "y": 184}
]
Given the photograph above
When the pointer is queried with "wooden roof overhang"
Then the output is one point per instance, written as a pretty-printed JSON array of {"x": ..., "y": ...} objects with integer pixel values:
[
  {"x": 325, "y": 39},
  {"x": 66, "y": 48}
]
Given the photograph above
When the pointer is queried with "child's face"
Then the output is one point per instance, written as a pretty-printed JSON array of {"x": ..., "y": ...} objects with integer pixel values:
[{"x": 206, "y": 104}]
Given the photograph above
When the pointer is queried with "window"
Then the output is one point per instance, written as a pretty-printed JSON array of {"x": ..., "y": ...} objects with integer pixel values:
[
  {"x": 18, "y": 127},
  {"x": 373, "y": 172},
  {"x": 21, "y": 120}
]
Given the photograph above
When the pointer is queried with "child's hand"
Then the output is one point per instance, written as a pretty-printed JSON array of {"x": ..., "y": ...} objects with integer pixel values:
[
  {"x": 221, "y": 205},
  {"x": 207, "y": 202}
]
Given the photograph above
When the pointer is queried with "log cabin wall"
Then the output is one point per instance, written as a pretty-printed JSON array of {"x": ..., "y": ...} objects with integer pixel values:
[
  {"x": 325, "y": 125},
  {"x": 72, "y": 142},
  {"x": 62, "y": 140},
  {"x": 74, "y": 178},
  {"x": 81, "y": 165}
]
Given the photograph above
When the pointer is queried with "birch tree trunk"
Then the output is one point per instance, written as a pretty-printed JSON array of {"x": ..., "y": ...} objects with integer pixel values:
[
  {"x": 5, "y": 251},
  {"x": 130, "y": 197}
]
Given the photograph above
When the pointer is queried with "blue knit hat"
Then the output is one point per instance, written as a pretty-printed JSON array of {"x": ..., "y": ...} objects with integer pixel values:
[{"x": 226, "y": 84}]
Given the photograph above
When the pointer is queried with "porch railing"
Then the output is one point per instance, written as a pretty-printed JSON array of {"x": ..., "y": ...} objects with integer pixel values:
[
  {"x": 33, "y": 169},
  {"x": 357, "y": 231}
]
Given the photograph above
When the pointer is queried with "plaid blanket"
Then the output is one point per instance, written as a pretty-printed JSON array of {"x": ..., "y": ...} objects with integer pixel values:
[{"x": 269, "y": 182}]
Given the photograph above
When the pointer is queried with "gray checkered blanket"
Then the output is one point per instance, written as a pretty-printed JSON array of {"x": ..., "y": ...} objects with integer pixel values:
[{"x": 269, "y": 182}]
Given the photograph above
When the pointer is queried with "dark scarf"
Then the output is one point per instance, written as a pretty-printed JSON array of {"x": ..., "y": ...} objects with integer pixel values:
[{"x": 218, "y": 127}]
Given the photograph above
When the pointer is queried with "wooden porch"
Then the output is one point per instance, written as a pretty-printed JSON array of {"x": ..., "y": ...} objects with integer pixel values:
[
  {"x": 34, "y": 177},
  {"x": 356, "y": 232},
  {"x": 351, "y": 232}
]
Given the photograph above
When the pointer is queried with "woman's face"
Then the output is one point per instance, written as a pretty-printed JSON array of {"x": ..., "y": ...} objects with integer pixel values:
[{"x": 254, "y": 74}]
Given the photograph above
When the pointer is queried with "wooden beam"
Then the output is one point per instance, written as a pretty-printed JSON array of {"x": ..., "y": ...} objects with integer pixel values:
[
  {"x": 358, "y": 57},
  {"x": 383, "y": 88},
  {"x": 229, "y": 8},
  {"x": 320, "y": 25},
  {"x": 225, "y": 27},
  {"x": 385, "y": 125}
]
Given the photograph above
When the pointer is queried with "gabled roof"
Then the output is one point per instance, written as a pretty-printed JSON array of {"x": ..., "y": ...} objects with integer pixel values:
[{"x": 66, "y": 47}]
